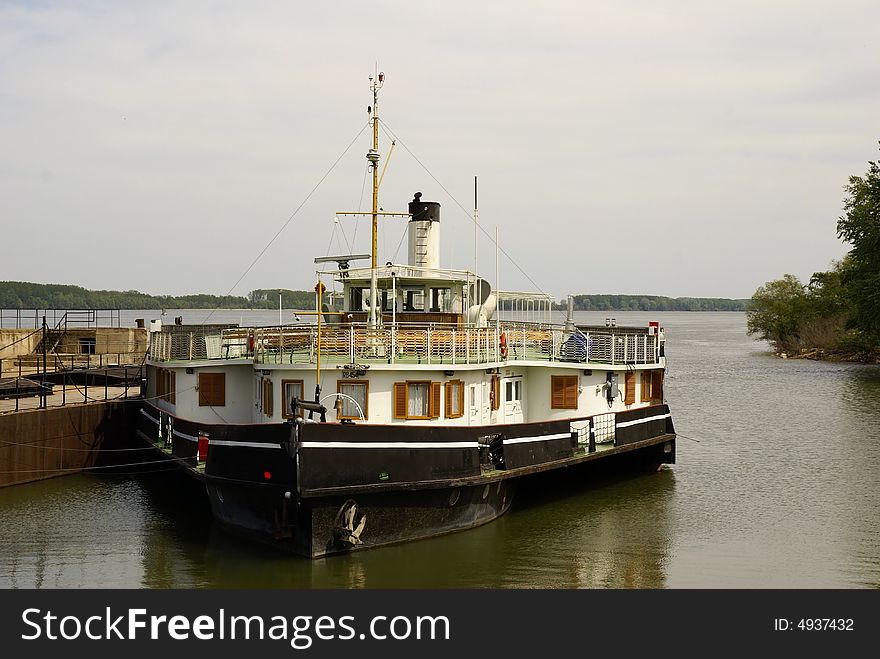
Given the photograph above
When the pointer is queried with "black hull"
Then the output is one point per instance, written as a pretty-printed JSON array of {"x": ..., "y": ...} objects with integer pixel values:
[
  {"x": 321, "y": 489},
  {"x": 333, "y": 525}
]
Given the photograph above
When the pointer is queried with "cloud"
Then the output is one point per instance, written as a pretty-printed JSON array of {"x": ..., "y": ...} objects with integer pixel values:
[{"x": 678, "y": 148}]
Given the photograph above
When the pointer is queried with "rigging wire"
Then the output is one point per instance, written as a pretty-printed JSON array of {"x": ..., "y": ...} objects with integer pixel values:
[
  {"x": 392, "y": 135},
  {"x": 292, "y": 216}
]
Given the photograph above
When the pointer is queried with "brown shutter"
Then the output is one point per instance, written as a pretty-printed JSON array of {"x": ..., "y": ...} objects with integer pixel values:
[
  {"x": 496, "y": 392},
  {"x": 646, "y": 386},
  {"x": 172, "y": 395},
  {"x": 460, "y": 399},
  {"x": 657, "y": 385},
  {"x": 557, "y": 392},
  {"x": 204, "y": 389},
  {"x": 434, "y": 403},
  {"x": 571, "y": 392},
  {"x": 268, "y": 397},
  {"x": 448, "y": 400},
  {"x": 630, "y": 388},
  {"x": 400, "y": 400}
]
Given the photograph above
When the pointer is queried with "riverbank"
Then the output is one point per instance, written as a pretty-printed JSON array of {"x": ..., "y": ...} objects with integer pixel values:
[{"x": 835, "y": 355}]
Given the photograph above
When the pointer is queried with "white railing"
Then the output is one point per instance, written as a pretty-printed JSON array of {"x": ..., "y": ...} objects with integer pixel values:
[{"x": 409, "y": 344}]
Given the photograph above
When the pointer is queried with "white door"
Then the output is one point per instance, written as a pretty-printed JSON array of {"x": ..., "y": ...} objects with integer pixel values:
[
  {"x": 512, "y": 392},
  {"x": 474, "y": 405}
]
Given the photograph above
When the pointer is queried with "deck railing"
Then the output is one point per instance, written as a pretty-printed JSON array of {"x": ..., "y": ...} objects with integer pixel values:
[{"x": 408, "y": 344}]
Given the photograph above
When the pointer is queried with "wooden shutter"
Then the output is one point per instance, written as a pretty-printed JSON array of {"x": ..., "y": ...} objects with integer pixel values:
[
  {"x": 434, "y": 402},
  {"x": 564, "y": 392},
  {"x": 268, "y": 397},
  {"x": 646, "y": 386},
  {"x": 400, "y": 400},
  {"x": 212, "y": 389},
  {"x": 496, "y": 392},
  {"x": 557, "y": 392},
  {"x": 172, "y": 394},
  {"x": 657, "y": 385},
  {"x": 449, "y": 400},
  {"x": 629, "y": 396},
  {"x": 204, "y": 389}
]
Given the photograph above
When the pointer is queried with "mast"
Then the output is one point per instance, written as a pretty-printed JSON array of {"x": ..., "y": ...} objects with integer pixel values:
[{"x": 373, "y": 158}]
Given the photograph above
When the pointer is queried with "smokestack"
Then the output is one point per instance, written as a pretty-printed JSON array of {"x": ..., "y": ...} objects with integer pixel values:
[{"x": 424, "y": 233}]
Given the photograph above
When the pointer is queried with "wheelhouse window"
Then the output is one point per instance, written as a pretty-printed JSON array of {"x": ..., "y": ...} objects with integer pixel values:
[
  {"x": 212, "y": 389},
  {"x": 454, "y": 399},
  {"x": 353, "y": 399},
  {"x": 564, "y": 392},
  {"x": 440, "y": 299},
  {"x": 413, "y": 299},
  {"x": 416, "y": 400},
  {"x": 290, "y": 389}
]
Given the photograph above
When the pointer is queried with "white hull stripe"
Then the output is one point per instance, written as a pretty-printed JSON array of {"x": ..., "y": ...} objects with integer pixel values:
[
  {"x": 539, "y": 438},
  {"x": 390, "y": 445},
  {"x": 144, "y": 412},
  {"x": 645, "y": 420},
  {"x": 183, "y": 435},
  {"x": 223, "y": 442}
]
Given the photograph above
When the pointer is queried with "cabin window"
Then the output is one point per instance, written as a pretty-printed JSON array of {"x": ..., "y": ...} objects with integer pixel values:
[
  {"x": 454, "y": 399},
  {"x": 87, "y": 346},
  {"x": 267, "y": 397},
  {"x": 513, "y": 391},
  {"x": 564, "y": 392},
  {"x": 629, "y": 388},
  {"x": 652, "y": 386},
  {"x": 416, "y": 400},
  {"x": 413, "y": 299},
  {"x": 354, "y": 399},
  {"x": 290, "y": 389},
  {"x": 495, "y": 392},
  {"x": 212, "y": 389}
]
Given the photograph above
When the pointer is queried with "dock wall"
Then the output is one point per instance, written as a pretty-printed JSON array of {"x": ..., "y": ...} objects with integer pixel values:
[{"x": 40, "y": 444}]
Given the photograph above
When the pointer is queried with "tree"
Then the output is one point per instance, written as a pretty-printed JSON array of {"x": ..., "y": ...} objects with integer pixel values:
[
  {"x": 860, "y": 226},
  {"x": 777, "y": 309}
]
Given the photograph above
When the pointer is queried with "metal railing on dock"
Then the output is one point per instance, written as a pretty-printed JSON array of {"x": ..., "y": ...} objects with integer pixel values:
[{"x": 59, "y": 318}]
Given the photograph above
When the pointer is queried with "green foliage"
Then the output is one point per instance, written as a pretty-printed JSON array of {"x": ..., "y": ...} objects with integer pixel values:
[
  {"x": 860, "y": 226},
  {"x": 777, "y": 309},
  {"x": 652, "y": 303},
  {"x": 26, "y": 295}
]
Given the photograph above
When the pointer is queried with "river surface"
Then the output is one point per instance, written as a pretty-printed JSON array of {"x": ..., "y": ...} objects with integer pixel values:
[{"x": 776, "y": 486}]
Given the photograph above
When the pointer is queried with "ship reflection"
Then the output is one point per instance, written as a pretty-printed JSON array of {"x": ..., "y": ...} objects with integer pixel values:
[{"x": 590, "y": 530}]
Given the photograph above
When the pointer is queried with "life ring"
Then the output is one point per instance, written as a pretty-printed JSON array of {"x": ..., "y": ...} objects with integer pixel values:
[
  {"x": 250, "y": 343},
  {"x": 502, "y": 344}
]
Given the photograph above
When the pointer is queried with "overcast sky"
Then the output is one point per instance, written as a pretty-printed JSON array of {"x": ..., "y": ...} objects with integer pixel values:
[{"x": 682, "y": 148}]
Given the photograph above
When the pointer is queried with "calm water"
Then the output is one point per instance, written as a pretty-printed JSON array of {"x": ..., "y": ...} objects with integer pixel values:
[{"x": 781, "y": 490}]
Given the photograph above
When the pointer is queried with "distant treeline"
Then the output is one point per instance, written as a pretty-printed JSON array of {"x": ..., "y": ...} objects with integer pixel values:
[
  {"x": 25, "y": 295},
  {"x": 653, "y": 303}
]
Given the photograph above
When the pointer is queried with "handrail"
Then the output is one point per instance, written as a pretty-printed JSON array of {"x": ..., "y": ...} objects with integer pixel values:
[{"x": 408, "y": 343}]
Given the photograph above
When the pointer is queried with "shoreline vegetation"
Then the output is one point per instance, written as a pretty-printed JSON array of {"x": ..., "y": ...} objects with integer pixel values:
[
  {"x": 26, "y": 295},
  {"x": 836, "y": 315}
]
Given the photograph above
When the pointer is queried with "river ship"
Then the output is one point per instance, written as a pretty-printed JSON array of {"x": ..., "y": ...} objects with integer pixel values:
[{"x": 410, "y": 404}]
